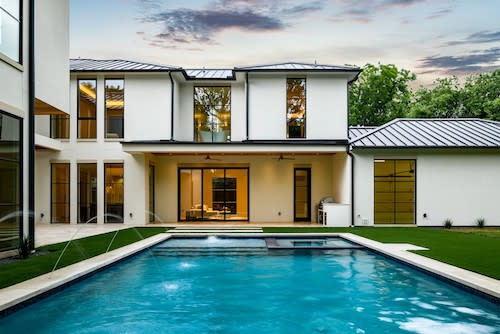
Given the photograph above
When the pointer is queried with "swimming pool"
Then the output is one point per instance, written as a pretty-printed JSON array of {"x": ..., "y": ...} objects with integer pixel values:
[{"x": 170, "y": 289}]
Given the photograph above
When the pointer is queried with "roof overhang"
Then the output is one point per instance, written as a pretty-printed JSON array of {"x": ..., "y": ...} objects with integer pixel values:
[
  {"x": 246, "y": 147},
  {"x": 43, "y": 109},
  {"x": 44, "y": 142}
]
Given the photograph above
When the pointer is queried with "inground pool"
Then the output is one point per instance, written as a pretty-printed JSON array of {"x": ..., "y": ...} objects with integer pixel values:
[{"x": 184, "y": 286}]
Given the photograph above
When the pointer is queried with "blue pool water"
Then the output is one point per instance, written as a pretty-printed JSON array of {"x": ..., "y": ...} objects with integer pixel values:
[{"x": 283, "y": 291}]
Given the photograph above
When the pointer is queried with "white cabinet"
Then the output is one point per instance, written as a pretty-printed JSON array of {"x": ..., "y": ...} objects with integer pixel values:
[{"x": 335, "y": 214}]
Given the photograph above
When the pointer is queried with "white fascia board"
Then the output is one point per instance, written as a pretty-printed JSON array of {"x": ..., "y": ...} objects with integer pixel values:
[{"x": 46, "y": 142}]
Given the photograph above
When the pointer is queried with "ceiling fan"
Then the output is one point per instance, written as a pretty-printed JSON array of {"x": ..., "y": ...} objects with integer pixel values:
[
  {"x": 282, "y": 157},
  {"x": 208, "y": 157}
]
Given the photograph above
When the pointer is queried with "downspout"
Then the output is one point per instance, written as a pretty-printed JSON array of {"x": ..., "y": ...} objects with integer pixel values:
[
  {"x": 31, "y": 125},
  {"x": 171, "y": 106},
  {"x": 352, "y": 185},
  {"x": 246, "y": 103}
]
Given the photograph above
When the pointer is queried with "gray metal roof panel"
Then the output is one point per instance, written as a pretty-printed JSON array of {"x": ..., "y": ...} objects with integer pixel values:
[
  {"x": 115, "y": 65},
  {"x": 356, "y": 131},
  {"x": 298, "y": 66},
  {"x": 212, "y": 73},
  {"x": 421, "y": 133}
]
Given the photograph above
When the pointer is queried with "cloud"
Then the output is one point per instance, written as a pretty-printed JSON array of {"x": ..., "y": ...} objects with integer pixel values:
[
  {"x": 364, "y": 11},
  {"x": 201, "y": 25},
  {"x": 475, "y": 61},
  {"x": 439, "y": 13},
  {"x": 478, "y": 38}
]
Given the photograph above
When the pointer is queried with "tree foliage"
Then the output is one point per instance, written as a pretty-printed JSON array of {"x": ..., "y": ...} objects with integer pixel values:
[{"x": 382, "y": 94}]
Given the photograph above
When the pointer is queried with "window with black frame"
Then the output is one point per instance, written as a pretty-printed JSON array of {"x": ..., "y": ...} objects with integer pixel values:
[
  {"x": 87, "y": 109},
  {"x": 10, "y": 29},
  {"x": 296, "y": 107},
  {"x": 59, "y": 126},
  {"x": 115, "y": 106},
  {"x": 113, "y": 192},
  {"x": 10, "y": 181},
  {"x": 212, "y": 114}
]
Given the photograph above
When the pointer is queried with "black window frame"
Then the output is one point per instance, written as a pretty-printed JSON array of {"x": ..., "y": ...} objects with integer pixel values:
[
  {"x": 305, "y": 108},
  {"x": 20, "y": 37},
  {"x": 78, "y": 117},
  {"x": 106, "y": 110}
]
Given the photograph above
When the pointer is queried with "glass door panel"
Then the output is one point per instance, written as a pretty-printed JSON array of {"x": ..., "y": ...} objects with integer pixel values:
[
  {"x": 60, "y": 193},
  {"x": 213, "y": 194},
  {"x": 87, "y": 193},
  {"x": 190, "y": 194},
  {"x": 302, "y": 194}
]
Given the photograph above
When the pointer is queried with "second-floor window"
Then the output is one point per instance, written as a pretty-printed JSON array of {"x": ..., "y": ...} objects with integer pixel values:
[
  {"x": 59, "y": 126},
  {"x": 212, "y": 114},
  {"x": 10, "y": 29},
  {"x": 87, "y": 109},
  {"x": 296, "y": 107},
  {"x": 115, "y": 104}
]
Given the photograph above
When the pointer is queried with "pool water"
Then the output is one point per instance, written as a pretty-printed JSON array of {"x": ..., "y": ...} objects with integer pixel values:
[{"x": 283, "y": 291}]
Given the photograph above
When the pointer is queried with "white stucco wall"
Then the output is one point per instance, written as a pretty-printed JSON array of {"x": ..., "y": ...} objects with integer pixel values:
[
  {"x": 52, "y": 52},
  {"x": 147, "y": 107},
  {"x": 326, "y": 106},
  {"x": 462, "y": 186}
]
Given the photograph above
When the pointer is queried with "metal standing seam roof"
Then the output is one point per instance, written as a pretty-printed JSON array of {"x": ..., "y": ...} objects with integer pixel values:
[
  {"x": 435, "y": 133},
  {"x": 357, "y": 131},
  {"x": 209, "y": 74},
  {"x": 115, "y": 65},
  {"x": 297, "y": 67}
]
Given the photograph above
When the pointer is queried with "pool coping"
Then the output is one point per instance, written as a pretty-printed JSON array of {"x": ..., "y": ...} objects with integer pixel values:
[
  {"x": 24, "y": 292},
  {"x": 16, "y": 295}
]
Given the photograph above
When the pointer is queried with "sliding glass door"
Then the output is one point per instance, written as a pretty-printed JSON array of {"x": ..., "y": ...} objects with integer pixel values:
[
  {"x": 213, "y": 194},
  {"x": 59, "y": 211}
]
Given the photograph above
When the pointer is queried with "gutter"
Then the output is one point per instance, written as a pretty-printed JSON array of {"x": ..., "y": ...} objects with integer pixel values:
[
  {"x": 31, "y": 125},
  {"x": 171, "y": 106}
]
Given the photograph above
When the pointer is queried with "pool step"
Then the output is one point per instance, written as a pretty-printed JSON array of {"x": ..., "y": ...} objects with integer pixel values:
[
  {"x": 215, "y": 230},
  {"x": 208, "y": 251}
]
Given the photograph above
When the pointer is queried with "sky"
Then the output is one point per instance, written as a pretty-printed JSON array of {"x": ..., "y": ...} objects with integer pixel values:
[{"x": 432, "y": 38}]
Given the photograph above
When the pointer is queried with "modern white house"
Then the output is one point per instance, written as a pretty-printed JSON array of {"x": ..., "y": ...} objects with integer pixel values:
[
  {"x": 264, "y": 144},
  {"x": 34, "y": 80},
  {"x": 424, "y": 171},
  {"x": 147, "y": 142}
]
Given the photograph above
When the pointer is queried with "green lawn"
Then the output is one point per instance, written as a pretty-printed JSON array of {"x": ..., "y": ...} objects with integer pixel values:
[
  {"x": 472, "y": 249},
  {"x": 78, "y": 250}
]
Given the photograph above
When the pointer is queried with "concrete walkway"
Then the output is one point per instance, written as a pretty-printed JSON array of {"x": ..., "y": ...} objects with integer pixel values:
[{"x": 46, "y": 234}]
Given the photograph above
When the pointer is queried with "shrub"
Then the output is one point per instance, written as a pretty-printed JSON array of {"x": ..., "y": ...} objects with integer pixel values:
[
  {"x": 480, "y": 222},
  {"x": 448, "y": 223}
]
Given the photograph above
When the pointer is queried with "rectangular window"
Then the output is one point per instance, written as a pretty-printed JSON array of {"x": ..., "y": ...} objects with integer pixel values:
[
  {"x": 10, "y": 29},
  {"x": 212, "y": 114},
  {"x": 87, "y": 109},
  {"x": 60, "y": 193},
  {"x": 213, "y": 194},
  {"x": 59, "y": 126},
  {"x": 296, "y": 108},
  {"x": 113, "y": 193},
  {"x": 87, "y": 193},
  {"x": 10, "y": 182},
  {"x": 115, "y": 105},
  {"x": 394, "y": 191}
]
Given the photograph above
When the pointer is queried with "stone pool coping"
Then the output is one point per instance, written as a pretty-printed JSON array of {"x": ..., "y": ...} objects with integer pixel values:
[{"x": 26, "y": 291}]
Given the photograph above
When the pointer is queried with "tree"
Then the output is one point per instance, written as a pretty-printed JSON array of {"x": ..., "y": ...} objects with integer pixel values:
[
  {"x": 380, "y": 94},
  {"x": 482, "y": 96},
  {"x": 444, "y": 100}
]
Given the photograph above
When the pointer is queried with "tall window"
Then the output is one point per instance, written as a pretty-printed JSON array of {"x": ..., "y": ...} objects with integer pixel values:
[
  {"x": 212, "y": 114},
  {"x": 394, "y": 191},
  {"x": 296, "y": 108},
  {"x": 59, "y": 126},
  {"x": 60, "y": 193},
  {"x": 87, "y": 192},
  {"x": 113, "y": 196},
  {"x": 87, "y": 109},
  {"x": 10, "y": 181},
  {"x": 114, "y": 108},
  {"x": 10, "y": 29}
]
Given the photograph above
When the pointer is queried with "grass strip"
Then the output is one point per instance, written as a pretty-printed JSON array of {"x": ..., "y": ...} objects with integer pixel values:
[
  {"x": 78, "y": 250},
  {"x": 476, "y": 250}
]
